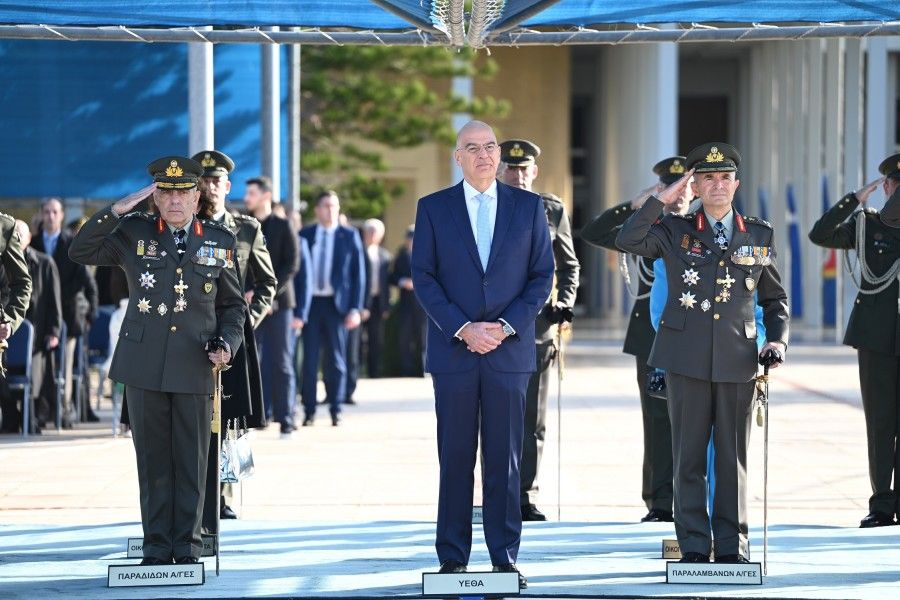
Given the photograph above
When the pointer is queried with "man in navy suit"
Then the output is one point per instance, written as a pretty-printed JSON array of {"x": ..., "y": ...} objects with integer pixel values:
[
  {"x": 482, "y": 267},
  {"x": 337, "y": 274}
]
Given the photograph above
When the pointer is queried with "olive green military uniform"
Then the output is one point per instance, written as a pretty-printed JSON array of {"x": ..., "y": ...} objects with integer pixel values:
[
  {"x": 242, "y": 384},
  {"x": 520, "y": 153},
  {"x": 656, "y": 473},
  {"x": 177, "y": 303},
  {"x": 706, "y": 343},
  {"x": 874, "y": 330},
  {"x": 15, "y": 292}
]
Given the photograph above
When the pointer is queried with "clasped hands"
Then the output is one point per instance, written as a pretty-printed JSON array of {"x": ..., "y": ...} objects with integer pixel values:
[{"x": 482, "y": 337}]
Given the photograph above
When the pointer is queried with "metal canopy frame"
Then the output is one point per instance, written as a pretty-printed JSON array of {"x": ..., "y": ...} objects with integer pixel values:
[{"x": 694, "y": 32}]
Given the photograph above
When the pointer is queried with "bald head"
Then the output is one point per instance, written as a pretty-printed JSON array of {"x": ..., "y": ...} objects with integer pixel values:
[
  {"x": 24, "y": 233},
  {"x": 477, "y": 154}
]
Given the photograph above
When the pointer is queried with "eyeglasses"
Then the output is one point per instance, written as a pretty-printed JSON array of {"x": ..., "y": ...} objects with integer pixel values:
[{"x": 475, "y": 149}]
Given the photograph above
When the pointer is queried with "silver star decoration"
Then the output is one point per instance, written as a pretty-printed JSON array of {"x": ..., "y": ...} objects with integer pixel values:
[
  {"x": 148, "y": 280},
  {"x": 690, "y": 276},
  {"x": 162, "y": 309},
  {"x": 705, "y": 305},
  {"x": 180, "y": 304},
  {"x": 688, "y": 300},
  {"x": 143, "y": 305}
]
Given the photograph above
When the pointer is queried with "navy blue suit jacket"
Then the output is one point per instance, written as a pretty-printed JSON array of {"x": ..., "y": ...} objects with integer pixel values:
[
  {"x": 347, "y": 271},
  {"x": 303, "y": 283},
  {"x": 453, "y": 288}
]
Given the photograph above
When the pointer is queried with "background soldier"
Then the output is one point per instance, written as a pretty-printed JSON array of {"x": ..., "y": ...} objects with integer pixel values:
[
  {"x": 241, "y": 383},
  {"x": 185, "y": 312},
  {"x": 15, "y": 295},
  {"x": 715, "y": 260},
  {"x": 519, "y": 170},
  {"x": 873, "y": 326},
  {"x": 656, "y": 480}
]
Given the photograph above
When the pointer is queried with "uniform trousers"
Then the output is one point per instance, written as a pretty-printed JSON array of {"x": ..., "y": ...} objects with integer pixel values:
[
  {"x": 536, "y": 421},
  {"x": 656, "y": 474},
  {"x": 492, "y": 403},
  {"x": 171, "y": 440},
  {"x": 697, "y": 409},
  {"x": 878, "y": 379}
]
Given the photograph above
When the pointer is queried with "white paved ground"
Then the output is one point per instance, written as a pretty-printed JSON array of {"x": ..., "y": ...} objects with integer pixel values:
[{"x": 348, "y": 511}]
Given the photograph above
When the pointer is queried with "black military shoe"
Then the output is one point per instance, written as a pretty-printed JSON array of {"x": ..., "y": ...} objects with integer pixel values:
[
  {"x": 733, "y": 559},
  {"x": 876, "y": 519},
  {"x": 308, "y": 421},
  {"x": 657, "y": 515},
  {"x": 350, "y": 401},
  {"x": 335, "y": 420},
  {"x": 694, "y": 557},
  {"x": 187, "y": 560},
  {"x": 452, "y": 566},
  {"x": 511, "y": 568},
  {"x": 155, "y": 562},
  {"x": 530, "y": 512},
  {"x": 227, "y": 512}
]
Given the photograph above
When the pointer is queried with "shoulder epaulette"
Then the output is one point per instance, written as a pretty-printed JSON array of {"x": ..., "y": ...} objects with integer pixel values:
[
  {"x": 871, "y": 210},
  {"x": 758, "y": 221},
  {"x": 135, "y": 214},
  {"x": 243, "y": 217},
  {"x": 216, "y": 225},
  {"x": 550, "y": 197},
  {"x": 686, "y": 217}
]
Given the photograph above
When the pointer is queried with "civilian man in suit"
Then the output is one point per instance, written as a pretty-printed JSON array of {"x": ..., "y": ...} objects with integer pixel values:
[
  {"x": 338, "y": 289},
  {"x": 411, "y": 319},
  {"x": 274, "y": 335},
  {"x": 378, "y": 296},
  {"x": 482, "y": 268},
  {"x": 78, "y": 290}
]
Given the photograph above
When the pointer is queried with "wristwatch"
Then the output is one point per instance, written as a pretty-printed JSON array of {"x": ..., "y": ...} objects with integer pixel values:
[{"x": 507, "y": 329}]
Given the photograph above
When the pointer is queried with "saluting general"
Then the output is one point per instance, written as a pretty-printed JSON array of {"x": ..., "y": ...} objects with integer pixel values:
[
  {"x": 185, "y": 314},
  {"x": 719, "y": 265},
  {"x": 482, "y": 268}
]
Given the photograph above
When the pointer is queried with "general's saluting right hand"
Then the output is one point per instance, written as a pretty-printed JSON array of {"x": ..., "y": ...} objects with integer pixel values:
[
  {"x": 865, "y": 191},
  {"x": 673, "y": 193},
  {"x": 127, "y": 204}
]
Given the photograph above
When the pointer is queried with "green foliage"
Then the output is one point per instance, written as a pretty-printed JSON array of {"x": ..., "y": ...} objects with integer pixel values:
[{"x": 398, "y": 97}]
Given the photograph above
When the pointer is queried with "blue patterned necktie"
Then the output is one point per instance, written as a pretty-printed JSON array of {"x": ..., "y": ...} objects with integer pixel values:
[
  {"x": 180, "y": 243},
  {"x": 483, "y": 229},
  {"x": 720, "y": 238}
]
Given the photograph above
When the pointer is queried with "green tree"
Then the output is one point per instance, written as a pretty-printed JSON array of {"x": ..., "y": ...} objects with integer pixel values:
[{"x": 398, "y": 97}]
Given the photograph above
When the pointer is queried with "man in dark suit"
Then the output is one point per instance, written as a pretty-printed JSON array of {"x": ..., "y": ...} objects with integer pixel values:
[
  {"x": 482, "y": 268},
  {"x": 78, "y": 289},
  {"x": 338, "y": 286},
  {"x": 274, "y": 335},
  {"x": 378, "y": 294},
  {"x": 45, "y": 313},
  {"x": 411, "y": 320}
]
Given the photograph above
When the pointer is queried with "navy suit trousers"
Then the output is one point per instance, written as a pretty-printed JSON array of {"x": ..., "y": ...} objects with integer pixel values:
[
  {"x": 496, "y": 402},
  {"x": 274, "y": 340},
  {"x": 326, "y": 332}
]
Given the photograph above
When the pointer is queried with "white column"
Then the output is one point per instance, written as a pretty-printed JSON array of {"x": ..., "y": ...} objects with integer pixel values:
[
  {"x": 270, "y": 115},
  {"x": 834, "y": 140},
  {"x": 292, "y": 198},
  {"x": 462, "y": 86},
  {"x": 201, "y": 112},
  {"x": 877, "y": 107},
  {"x": 812, "y": 174}
]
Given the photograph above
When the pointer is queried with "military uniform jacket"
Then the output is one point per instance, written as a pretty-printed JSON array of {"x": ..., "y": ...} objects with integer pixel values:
[
  {"x": 602, "y": 232},
  {"x": 708, "y": 326},
  {"x": 566, "y": 266},
  {"x": 159, "y": 348},
  {"x": 16, "y": 293},
  {"x": 873, "y": 323}
]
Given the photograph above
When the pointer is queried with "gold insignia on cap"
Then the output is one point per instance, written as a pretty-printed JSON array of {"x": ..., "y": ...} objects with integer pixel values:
[
  {"x": 516, "y": 151},
  {"x": 208, "y": 161},
  {"x": 676, "y": 168},
  {"x": 898, "y": 164},
  {"x": 714, "y": 155},
  {"x": 173, "y": 170}
]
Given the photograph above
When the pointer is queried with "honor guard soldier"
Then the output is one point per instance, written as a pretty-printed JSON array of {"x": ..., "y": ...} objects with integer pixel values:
[
  {"x": 656, "y": 480},
  {"x": 519, "y": 170},
  {"x": 15, "y": 297},
  {"x": 185, "y": 315},
  {"x": 715, "y": 260},
  {"x": 874, "y": 327},
  {"x": 242, "y": 384}
]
